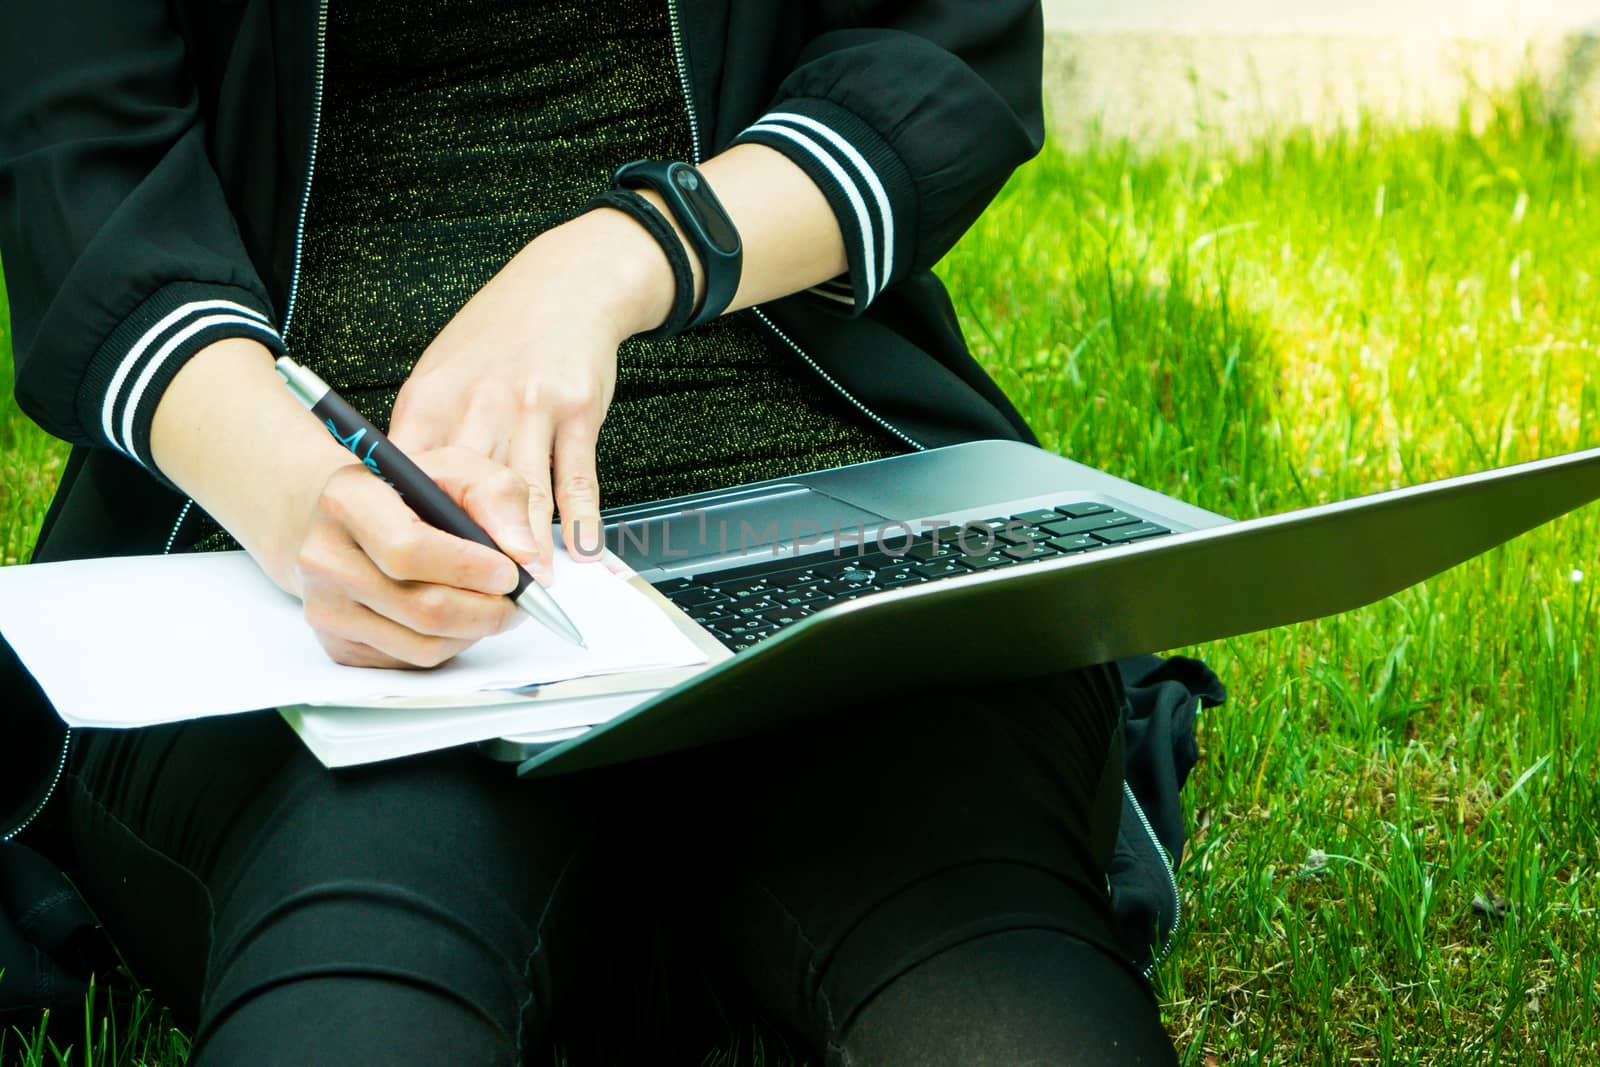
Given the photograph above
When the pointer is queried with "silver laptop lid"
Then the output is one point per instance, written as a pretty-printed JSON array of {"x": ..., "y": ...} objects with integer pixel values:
[{"x": 1068, "y": 612}]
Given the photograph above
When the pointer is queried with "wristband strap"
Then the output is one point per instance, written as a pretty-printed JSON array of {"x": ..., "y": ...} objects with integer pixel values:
[
  {"x": 644, "y": 212},
  {"x": 705, "y": 223}
]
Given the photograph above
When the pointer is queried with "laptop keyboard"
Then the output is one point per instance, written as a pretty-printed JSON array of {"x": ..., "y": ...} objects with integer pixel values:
[{"x": 743, "y": 605}]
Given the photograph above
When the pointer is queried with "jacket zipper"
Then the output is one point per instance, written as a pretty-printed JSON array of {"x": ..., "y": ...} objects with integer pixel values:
[
  {"x": 311, "y": 164},
  {"x": 681, "y": 58},
  {"x": 1172, "y": 882},
  {"x": 300, "y": 221}
]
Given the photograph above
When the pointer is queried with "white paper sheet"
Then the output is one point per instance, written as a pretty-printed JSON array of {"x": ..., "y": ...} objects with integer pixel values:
[
  {"x": 139, "y": 640},
  {"x": 345, "y": 737}
]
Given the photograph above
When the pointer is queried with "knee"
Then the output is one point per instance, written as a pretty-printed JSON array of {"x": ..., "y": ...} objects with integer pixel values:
[
  {"x": 1016, "y": 997},
  {"x": 366, "y": 962},
  {"x": 353, "y": 1018}
]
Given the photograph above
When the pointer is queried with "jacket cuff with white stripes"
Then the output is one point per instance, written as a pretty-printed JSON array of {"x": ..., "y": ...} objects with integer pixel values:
[
  {"x": 127, "y": 376},
  {"x": 866, "y": 183}
]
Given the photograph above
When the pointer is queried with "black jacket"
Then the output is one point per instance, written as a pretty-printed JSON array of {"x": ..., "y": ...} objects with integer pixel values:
[{"x": 155, "y": 160}]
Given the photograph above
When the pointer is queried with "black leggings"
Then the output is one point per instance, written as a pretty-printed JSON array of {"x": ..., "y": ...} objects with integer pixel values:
[{"x": 922, "y": 884}]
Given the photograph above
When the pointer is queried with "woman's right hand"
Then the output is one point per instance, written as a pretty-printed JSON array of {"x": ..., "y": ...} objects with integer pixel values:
[{"x": 380, "y": 586}]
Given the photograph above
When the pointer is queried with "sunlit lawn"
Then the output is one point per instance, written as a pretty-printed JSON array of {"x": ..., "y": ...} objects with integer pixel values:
[{"x": 1258, "y": 330}]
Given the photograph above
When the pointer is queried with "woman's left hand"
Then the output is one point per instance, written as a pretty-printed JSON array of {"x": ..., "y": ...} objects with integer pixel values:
[{"x": 525, "y": 371}]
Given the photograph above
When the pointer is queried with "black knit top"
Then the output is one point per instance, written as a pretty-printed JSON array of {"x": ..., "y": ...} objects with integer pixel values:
[{"x": 451, "y": 134}]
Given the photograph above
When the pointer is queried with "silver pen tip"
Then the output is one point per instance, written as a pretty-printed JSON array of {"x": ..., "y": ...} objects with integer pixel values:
[{"x": 538, "y": 603}]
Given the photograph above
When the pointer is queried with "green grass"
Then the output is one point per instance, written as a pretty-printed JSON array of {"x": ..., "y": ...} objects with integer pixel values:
[
  {"x": 1262, "y": 329},
  {"x": 30, "y": 462}
]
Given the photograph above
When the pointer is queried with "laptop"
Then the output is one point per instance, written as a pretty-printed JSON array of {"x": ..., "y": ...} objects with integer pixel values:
[{"x": 997, "y": 559}]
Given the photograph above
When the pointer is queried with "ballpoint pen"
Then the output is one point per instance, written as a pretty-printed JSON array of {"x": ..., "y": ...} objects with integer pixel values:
[{"x": 431, "y": 503}]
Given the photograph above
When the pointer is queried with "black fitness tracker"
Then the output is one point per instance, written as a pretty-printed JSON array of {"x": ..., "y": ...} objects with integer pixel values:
[{"x": 705, "y": 224}]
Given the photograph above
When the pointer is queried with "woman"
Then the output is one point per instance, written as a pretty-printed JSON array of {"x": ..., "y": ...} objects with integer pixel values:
[{"x": 404, "y": 198}]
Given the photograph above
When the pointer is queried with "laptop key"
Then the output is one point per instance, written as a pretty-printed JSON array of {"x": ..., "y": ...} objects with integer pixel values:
[
  {"x": 1019, "y": 535},
  {"x": 943, "y": 568},
  {"x": 672, "y": 585},
  {"x": 695, "y": 596},
  {"x": 748, "y": 627},
  {"x": 1078, "y": 511},
  {"x": 790, "y": 579},
  {"x": 765, "y": 629},
  {"x": 805, "y": 594},
  {"x": 1075, "y": 543},
  {"x": 752, "y": 605},
  {"x": 977, "y": 539},
  {"x": 1032, "y": 550},
  {"x": 987, "y": 560},
  {"x": 890, "y": 577},
  {"x": 1121, "y": 535},
  {"x": 740, "y": 587},
  {"x": 927, "y": 551},
  {"x": 787, "y": 616},
  {"x": 838, "y": 588},
  {"x": 708, "y": 616},
  {"x": 863, "y": 565},
  {"x": 1038, "y": 515},
  {"x": 1107, "y": 518},
  {"x": 943, "y": 534}
]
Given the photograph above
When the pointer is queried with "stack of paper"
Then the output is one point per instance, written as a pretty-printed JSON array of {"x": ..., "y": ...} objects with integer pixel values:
[
  {"x": 350, "y": 732},
  {"x": 344, "y": 735},
  {"x": 137, "y": 641}
]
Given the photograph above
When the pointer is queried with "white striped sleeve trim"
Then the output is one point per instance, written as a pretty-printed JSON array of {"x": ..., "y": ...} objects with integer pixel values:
[
  {"x": 150, "y": 337},
  {"x": 836, "y": 289},
  {"x": 838, "y": 298},
  {"x": 206, "y": 322},
  {"x": 869, "y": 258},
  {"x": 868, "y": 175}
]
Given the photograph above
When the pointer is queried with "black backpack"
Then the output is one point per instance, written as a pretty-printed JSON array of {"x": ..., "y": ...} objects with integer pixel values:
[{"x": 1159, "y": 750}]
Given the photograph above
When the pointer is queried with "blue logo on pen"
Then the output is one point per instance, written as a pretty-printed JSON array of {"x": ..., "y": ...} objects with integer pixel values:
[{"x": 353, "y": 443}]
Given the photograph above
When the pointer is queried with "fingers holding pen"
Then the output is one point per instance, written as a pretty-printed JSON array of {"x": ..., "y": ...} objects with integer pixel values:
[
  {"x": 382, "y": 588},
  {"x": 497, "y": 497},
  {"x": 356, "y": 636},
  {"x": 401, "y": 545}
]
